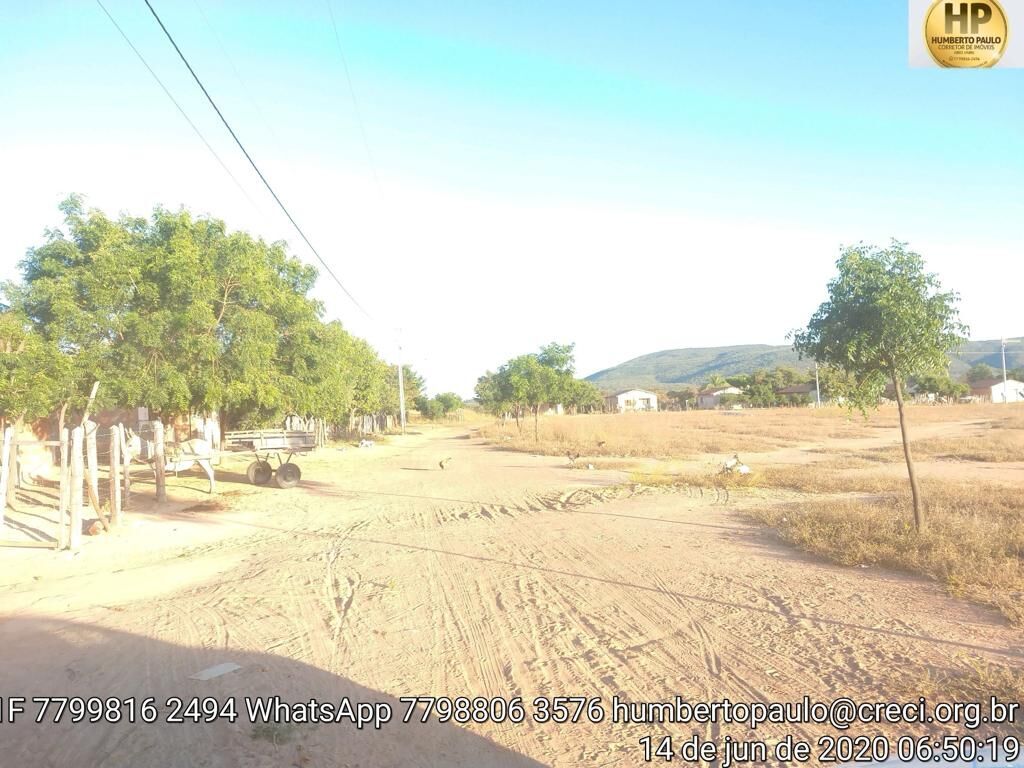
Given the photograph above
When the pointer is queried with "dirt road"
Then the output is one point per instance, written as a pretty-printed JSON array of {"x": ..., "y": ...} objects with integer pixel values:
[{"x": 504, "y": 575}]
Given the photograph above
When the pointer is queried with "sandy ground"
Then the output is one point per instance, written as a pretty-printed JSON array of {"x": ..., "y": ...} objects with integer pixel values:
[{"x": 505, "y": 575}]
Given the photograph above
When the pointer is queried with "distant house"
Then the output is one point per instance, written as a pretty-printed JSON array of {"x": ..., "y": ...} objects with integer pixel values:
[
  {"x": 632, "y": 400},
  {"x": 993, "y": 390},
  {"x": 712, "y": 396},
  {"x": 889, "y": 393},
  {"x": 797, "y": 394},
  {"x": 797, "y": 389}
]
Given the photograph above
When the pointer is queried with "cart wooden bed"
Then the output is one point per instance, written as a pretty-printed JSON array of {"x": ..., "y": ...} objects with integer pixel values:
[{"x": 267, "y": 444}]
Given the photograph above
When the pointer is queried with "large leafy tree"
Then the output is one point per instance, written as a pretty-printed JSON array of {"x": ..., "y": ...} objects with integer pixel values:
[
  {"x": 33, "y": 372},
  {"x": 176, "y": 313},
  {"x": 886, "y": 320}
]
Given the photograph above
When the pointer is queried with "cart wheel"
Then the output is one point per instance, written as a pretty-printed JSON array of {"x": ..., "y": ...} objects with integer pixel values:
[
  {"x": 288, "y": 475},
  {"x": 259, "y": 472}
]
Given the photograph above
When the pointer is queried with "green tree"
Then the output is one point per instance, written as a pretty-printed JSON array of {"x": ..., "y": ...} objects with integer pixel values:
[
  {"x": 531, "y": 384},
  {"x": 449, "y": 402},
  {"x": 581, "y": 396},
  {"x": 940, "y": 385},
  {"x": 493, "y": 394},
  {"x": 716, "y": 380},
  {"x": 33, "y": 373},
  {"x": 759, "y": 389},
  {"x": 428, "y": 407},
  {"x": 176, "y": 313},
  {"x": 532, "y": 381},
  {"x": 886, "y": 319},
  {"x": 413, "y": 384},
  {"x": 834, "y": 383},
  {"x": 739, "y": 380},
  {"x": 439, "y": 405},
  {"x": 680, "y": 399},
  {"x": 979, "y": 372}
]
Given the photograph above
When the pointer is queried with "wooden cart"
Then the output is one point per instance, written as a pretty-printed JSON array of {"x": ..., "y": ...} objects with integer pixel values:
[{"x": 267, "y": 444}]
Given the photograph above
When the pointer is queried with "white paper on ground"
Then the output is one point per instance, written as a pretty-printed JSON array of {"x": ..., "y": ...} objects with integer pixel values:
[{"x": 216, "y": 671}]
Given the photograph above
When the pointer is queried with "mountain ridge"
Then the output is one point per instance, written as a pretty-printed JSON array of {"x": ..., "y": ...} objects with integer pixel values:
[{"x": 694, "y": 365}]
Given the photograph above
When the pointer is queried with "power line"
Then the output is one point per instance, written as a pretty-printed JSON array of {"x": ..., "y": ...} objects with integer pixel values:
[
  {"x": 253, "y": 163},
  {"x": 238, "y": 75},
  {"x": 359, "y": 120},
  {"x": 355, "y": 101},
  {"x": 377, "y": 184},
  {"x": 177, "y": 105}
]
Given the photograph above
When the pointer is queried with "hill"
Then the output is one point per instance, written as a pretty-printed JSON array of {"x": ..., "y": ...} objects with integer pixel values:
[{"x": 694, "y": 365}]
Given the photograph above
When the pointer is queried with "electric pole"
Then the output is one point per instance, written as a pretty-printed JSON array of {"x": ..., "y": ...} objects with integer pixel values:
[
  {"x": 401, "y": 389},
  {"x": 1005, "y": 398}
]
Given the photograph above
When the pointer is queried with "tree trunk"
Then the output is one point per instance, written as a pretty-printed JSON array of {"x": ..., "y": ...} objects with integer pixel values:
[
  {"x": 536, "y": 419},
  {"x": 915, "y": 489},
  {"x": 60, "y": 419}
]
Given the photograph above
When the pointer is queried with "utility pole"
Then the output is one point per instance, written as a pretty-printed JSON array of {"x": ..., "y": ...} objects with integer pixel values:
[
  {"x": 817, "y": 385},
  {"x": 1005, "y": 398},
  {"x": 1006, "y": 390},
  {"x": 401, "y": 389}
]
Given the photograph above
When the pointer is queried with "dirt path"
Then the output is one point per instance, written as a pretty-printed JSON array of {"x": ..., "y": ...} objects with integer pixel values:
[{"x": 505, "y": 575}]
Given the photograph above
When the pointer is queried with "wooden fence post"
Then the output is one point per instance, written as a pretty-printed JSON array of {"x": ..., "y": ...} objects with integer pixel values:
[
  {"x": 159, "y": 463},
  {"x": 127, "y": 464},
  {"x": 92, "y": 471},
  {"x": 5, "y": 474},
  {"x": 115, "y": 476},
  {"x": 65, "y": 489},
  {"x": 77, "y": 478}
]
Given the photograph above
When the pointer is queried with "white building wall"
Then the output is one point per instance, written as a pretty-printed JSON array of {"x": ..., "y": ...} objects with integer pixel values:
[
  {"x": 1014, "y": 392},
  {"x": 633, "y": 400},
  {"x": 709, "y": 401}
]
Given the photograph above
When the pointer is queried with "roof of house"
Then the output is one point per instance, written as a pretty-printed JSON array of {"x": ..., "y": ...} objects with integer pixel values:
[
  {"x": 796, "y": 389},
  {"x": 718, "y": 390},
  {"x": 625, "y": 391},
  {"x": 909, "y": 387},
  {"x": 985, "y": 383},
  {"x": 989, "y": 383}
]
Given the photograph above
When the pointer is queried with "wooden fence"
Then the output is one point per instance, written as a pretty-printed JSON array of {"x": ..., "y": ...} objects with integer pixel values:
[{"x": 78, "y": 485}]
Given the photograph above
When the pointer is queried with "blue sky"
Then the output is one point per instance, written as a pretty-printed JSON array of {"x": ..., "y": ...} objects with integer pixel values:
[{"x": 628, "y": 177}]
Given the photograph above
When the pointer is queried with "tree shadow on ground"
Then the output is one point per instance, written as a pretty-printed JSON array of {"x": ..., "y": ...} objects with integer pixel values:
[{"x": 53, "y": 658}]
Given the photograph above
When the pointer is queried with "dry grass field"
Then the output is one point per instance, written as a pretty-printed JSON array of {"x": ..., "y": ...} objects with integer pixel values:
[
  {"x": 850, "y": 497},
  {"x": 974, "y": 432},
  {"x": 677, "y": 434}
]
